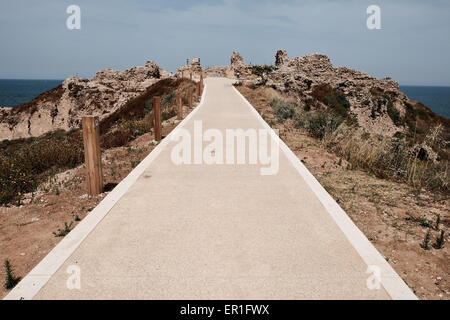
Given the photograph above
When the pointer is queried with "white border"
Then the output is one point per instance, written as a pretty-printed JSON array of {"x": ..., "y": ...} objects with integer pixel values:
[
  {"x": 32, "y": 283},
  {"x": 391, "y": 281}
]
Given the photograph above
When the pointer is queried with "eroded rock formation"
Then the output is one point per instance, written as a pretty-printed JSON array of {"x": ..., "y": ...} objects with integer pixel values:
[
  {"x": 63, "y": 107},
  {"x": 374, "y": 102},
  {"x": 193, "y": 67},
  {"x": 371, "y": 99}
]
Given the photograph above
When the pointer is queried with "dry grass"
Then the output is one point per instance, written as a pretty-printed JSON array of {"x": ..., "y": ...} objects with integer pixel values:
[{"x": 391, "y": 158}]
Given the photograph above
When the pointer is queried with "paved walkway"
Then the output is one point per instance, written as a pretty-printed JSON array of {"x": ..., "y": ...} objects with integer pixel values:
[{"x": 214, "y": 231}]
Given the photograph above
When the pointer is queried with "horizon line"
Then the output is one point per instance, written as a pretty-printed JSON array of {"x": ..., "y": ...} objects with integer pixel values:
[{"x": 54, "y": 79}]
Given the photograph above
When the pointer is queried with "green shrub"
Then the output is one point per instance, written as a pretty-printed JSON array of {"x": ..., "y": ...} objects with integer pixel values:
[
  {"x": 168, "y": 107},
  {"x": 65, "y": 231},
  {"x": 148, "y": 106},
  {"x": 393, "y": 113},
  {"x": 261, "y": 70},
  {"x": 320, "y": 123},
  {"x": 426, "y": 241},
  {"x": 23, "y": 163},
  {"x": 332, "y": 98},
  {"x": 282, "y": 109},
  {"x": 439, "y": 244},
  {"x": 11, "y": 280}
]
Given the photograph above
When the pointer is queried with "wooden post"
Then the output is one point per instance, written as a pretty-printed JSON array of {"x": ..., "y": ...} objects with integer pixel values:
[
  {"x": 92, "y": 155},
  {"x": 157, "y": 114},
  {"x": 180, "y": 107},
  {"x": 182, "y": 74},
  {"x": 201, "y": 83},
  {"x": 199, "y": 90},
  {"x": 190, "y": 97},
  {"x": 190, "y": 76}
]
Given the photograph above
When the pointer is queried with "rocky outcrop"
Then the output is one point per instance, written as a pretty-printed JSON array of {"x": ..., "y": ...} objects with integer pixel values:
[
  {"x": 236, "y": 70},
  {"x": 281, "y": 57},
  {"x": 193, "y": 67},
  {"x": 63, "y": 107},
  {"x": 373, "y": 101},
  {"x": 238, "y": 66}
]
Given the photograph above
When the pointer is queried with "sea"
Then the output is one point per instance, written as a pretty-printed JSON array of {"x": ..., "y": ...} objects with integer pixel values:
[
  {"x": 14, "y": 92},
  {"x": 435, "y": 98}
]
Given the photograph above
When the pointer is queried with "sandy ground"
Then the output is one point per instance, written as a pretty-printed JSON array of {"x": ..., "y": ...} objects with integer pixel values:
[{"x": 385, "y": 211}]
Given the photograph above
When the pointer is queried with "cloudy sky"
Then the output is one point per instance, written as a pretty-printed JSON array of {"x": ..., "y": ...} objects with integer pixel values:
[{"x": 412, "y": 47}]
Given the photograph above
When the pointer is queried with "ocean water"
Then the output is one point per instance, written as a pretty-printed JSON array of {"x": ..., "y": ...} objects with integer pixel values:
[
  {"x": 14, "y": 92},
  {"x": 435, "y": 98}
]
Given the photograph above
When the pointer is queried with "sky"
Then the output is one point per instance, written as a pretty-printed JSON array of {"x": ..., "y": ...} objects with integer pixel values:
[{"x": 412, "y": 45}]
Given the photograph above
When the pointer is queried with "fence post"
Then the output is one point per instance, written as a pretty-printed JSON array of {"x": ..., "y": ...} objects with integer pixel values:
[
  {"x": 190, "y": 97},
  {"x": 92, "y": 155},
  {"x": 201, "y": 83},
  {"x": 157, "y": 114},
  {"x": 199, "y": 90},
  {"x": 180, "y": 107}
]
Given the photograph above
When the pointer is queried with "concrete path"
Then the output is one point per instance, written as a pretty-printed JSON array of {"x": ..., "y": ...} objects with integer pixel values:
[{"x": 215, "y": 231}]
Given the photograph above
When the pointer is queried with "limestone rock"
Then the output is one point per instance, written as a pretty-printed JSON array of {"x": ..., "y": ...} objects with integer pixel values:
[
  {"x": 63, "y": 107},
  {"x": 236, "y": 70},
  {"x": 369, "y": 97},
  {"x": 238, "y": 66},
  {"x": 193, "y": 67},
  {"x": 281, "y": 58},
  {"x": 236, "y": 59}
]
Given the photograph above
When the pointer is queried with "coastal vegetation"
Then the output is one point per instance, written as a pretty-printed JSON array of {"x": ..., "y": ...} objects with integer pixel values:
[
  {"x": 419, "y": 156},
  {"x": 11, "y": 280}
]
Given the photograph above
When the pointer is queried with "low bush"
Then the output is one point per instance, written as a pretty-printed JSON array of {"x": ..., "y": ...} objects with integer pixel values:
[
  {"x": 65, "y": 231},
  {"x": 426, "y": 241},
  {"x": 393, "y": 113},
  {"x": 11, "y": 280},
  {"x": 439, "y": 244},
  {"x": 321, "y": 123},
  {"x": 22, "y": 165},
  {"x": 261, "y": 70},
  {"x": 282, "y": 109},
  {"x": 332, "y": 98},
  {"x": 317, "y": 124}
]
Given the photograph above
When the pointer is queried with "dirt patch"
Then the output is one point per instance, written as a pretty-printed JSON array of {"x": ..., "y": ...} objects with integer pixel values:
[{"x": 394, "y": 216}]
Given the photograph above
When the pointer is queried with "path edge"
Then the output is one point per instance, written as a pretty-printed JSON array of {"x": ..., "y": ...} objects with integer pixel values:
[
  {"x": 390, "y": 280},
  {"x": 33, "y": 282}
]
